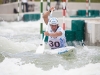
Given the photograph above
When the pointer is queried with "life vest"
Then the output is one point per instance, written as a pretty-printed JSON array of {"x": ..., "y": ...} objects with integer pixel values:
[{"x": 57, "y": 42}]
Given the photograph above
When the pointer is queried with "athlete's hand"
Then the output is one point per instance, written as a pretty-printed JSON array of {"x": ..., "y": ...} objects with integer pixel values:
[
  {"x": 52, "y": 8},
  {"x": 46, "y": 33}
]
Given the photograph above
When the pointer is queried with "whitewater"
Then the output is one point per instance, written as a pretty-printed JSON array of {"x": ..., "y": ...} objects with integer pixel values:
[{"x": 18, "y": 44}]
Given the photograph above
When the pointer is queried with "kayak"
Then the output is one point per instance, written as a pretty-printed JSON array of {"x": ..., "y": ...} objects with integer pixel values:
[{"x": 64, "y": 50}]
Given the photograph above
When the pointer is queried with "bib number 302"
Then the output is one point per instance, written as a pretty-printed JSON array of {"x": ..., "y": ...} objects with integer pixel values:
[{"x": 52, "y": 44}]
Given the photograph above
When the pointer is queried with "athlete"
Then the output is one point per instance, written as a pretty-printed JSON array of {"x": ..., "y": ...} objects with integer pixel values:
[{"x": 56, "y": 35}]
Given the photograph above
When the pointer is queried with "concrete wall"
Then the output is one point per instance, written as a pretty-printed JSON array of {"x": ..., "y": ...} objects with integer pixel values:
[
  {"x": 8, "y": 8},
  {"x": 93, "y": 32}
]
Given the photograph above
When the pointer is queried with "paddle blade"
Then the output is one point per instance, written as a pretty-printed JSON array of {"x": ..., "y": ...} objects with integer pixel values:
[{"x": 40, "y": 49}]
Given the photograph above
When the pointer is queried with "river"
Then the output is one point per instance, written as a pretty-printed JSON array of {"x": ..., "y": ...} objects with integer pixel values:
[{"x": 18, "y": 44}]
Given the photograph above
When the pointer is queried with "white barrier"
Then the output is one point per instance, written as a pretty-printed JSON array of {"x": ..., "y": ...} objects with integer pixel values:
[{"x": 93, "y": 31}]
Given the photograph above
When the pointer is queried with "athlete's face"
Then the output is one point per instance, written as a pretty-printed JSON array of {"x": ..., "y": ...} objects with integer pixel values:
[{"x": 54, "y": 27}]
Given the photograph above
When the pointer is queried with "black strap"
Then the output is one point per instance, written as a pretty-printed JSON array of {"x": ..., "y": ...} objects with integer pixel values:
[{"x": 57, "y": 28}]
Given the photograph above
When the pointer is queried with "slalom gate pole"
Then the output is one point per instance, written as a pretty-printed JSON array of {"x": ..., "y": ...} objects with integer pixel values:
[
  {"x": 41, "y": 13},
  {"x": 64, "y": 13},
  {"x": 89, "y": 4},
  {"x": 18, "y": 11},
  {"x": 48, "y": 4},
  {"x": 87, "y": 7}
]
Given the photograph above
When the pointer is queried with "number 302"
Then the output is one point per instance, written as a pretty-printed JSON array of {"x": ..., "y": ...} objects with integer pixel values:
[{"x": 56, "y": 43}]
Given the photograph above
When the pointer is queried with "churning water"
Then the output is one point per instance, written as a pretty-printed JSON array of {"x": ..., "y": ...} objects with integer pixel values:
[{"x": 18, "y": 43}]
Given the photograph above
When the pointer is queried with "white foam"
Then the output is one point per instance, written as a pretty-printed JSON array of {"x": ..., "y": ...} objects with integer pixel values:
[
  {"x": 7, "y": 45},
  {"x": 14, "y": 36},
  {"x": 24, "y": 36},
  {"x": 12, "y": 66}
]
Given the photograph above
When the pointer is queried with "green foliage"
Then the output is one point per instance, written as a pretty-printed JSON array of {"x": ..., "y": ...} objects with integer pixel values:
[{"x": 0, "y": 1}]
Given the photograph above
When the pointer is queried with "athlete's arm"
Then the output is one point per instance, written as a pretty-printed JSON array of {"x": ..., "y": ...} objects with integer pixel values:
[
  {"x": 56, "y": 34},
  {"x": 45, "y": 15}
]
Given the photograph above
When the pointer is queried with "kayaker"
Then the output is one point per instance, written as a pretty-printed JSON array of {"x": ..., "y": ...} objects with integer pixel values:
[{"x": 56, "y": 35}]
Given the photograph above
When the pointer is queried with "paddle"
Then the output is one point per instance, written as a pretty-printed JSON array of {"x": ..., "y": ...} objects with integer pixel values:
[{"x": 41, "y": 47}]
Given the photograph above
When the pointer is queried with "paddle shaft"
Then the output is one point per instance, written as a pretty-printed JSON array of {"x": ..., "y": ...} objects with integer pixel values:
[
  {"x": 40, "y": 49},
  {"x": 47, "y": 26}
]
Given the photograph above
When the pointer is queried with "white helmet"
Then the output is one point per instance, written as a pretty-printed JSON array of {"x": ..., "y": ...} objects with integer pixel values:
[{"x": 53, "y": 21}]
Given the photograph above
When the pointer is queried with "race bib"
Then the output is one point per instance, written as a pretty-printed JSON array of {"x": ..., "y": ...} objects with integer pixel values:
[{"x": 54, "y": 43}]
